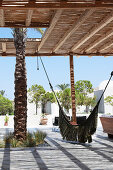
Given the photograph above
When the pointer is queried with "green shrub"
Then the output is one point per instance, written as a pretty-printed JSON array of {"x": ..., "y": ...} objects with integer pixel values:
[
  {"x": 32, "y": 139},
  {"x": 8, "y": 137},
  {"x": 6, "y": 119},
  {"x": 39, "y": 137},
  {"x": 6, "y": 105},
  {"x": 12, "y": 113},
  {"x": 2, "y": 144},
  {"x": 14, "y": 143}
]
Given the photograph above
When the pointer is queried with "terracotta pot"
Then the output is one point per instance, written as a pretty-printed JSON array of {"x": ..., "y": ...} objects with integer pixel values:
[
  {"x": 43, "y": 121},
  {"x": 6, "y": 124},
  {"x": 107, "y": 124}
]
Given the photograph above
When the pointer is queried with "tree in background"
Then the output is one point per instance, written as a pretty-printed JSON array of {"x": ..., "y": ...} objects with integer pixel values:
[
  {"x": 47, "y": 97},
  {"x": 36, "y": 92},
  {"x": 6, "y": 106},
  {"x": 65, "y": 98},
  {"x": 83, "y": 86},
  {"x": 62, "y": 86},
  {"x": 109, "y": 100},
  {"x": 79, "y": 99},
  {"x": 89, "y": 101},
  {"x": 82, "y": 89}
]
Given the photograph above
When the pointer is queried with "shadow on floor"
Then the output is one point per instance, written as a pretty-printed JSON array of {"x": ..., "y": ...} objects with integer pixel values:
[
  {"x": 39, "y": 160},
  {"x": 6, "y": 157},
  {"x": 69, "y": 155}
]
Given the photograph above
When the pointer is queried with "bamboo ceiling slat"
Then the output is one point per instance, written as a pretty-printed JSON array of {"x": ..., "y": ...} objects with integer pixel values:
[
  {"x": 92, "y": 32},
  {"x": 64, "y": 23},
  {"x": 73, "y": 28},
  {"x": 78, "y": 34}
]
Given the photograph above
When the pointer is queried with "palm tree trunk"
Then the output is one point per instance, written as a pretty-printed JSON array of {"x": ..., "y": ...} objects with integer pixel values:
[{"x": 20, "y": 112}]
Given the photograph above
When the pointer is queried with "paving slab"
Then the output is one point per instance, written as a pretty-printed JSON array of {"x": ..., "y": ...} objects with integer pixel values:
[{"x": 60, "y": 154}]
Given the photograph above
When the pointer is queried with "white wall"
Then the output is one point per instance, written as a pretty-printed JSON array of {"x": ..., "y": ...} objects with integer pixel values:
[
  {"x": 101, "y": 108},
  {"x": 31, "y": 108},
  {"x": 108, "y": 109},
  {"x": 104, "y": 107},
  {"x": 33, "y": 121},
  {"x": 81, "y": 109}
]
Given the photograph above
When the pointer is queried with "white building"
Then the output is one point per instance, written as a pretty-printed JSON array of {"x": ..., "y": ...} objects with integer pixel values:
[{"x": 104, "y": 107}]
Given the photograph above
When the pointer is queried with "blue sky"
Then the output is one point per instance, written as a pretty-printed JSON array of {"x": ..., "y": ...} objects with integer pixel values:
[{"x": 95, "y": 69}]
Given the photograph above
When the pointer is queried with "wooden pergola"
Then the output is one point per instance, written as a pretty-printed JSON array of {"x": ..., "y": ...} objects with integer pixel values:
[
  {"x": 79, "y": 27},
  {"x": 74, "y": 27}
]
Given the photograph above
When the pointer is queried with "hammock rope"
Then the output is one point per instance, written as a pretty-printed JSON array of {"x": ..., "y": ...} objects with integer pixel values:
[
  {"x": 37, "y": 64},
  {"x": 49, "y": 81},
  {"x": 83, "y": 132}
]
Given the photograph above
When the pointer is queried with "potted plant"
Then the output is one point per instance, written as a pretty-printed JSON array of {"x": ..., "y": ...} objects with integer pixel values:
[
  {"x": 6, "y": 120},
  {"x": 44, "y": 119},
  {"x": 107, "y": 120}
]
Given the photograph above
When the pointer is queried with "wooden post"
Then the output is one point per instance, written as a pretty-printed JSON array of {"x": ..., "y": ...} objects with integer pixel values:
[{"x": 72, "y": 90}]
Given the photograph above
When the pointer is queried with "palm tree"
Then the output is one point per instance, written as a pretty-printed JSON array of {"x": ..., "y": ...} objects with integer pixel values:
[
  {"x": 2, "y": 92},
  {"x": 20, "y": 111},
  {"x": 62, "y": 86}
]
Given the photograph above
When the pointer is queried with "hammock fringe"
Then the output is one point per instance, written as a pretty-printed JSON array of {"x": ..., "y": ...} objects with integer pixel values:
[{"x": 81, "y": 133}]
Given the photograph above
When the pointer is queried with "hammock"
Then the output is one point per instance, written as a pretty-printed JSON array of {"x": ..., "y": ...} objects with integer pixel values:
[{"x": 81, "y": 132}]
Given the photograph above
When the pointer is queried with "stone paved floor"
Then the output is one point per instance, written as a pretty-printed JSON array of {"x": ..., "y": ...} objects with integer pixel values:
[{"x": 60, "y": 155}]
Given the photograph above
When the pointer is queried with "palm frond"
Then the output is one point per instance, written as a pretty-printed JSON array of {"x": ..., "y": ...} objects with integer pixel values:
[
  {"x": 39, "y": 30},
  {"x": 62, "y": 86}
]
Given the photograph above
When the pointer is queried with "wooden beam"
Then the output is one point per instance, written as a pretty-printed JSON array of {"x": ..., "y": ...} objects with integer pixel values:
[
  {"x": 2, "y": 21},
  {"x": 73, "y": 28},
  {"x": 100, "y": 40},
  {"x": 92, "y": 32},
  {"x": 12, "y": 40},
  {"x": 49, "y": 30},
  {"x": 56, "y": 5},
  {"x": 4, "y": 47},
  {"x": 64, "y": 54},
  {"x": 22, "y": 25},
  {"x": 29, "y": 17},
  {"x": 72, "y": 90}
]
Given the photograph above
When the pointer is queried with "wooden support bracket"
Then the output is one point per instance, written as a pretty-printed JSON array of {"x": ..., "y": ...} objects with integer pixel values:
[{"x": 72, "y": 90}]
